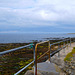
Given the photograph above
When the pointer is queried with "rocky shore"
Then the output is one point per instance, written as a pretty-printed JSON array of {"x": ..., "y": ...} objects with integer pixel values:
[
  {"x": 69, "y": 67},
  {"x": 25, "y": 56}
]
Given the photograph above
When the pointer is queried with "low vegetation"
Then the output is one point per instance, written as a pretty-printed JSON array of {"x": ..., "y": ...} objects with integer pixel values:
[
  {"x": 70, "y": 55},
  {"x": 14, "y": 61}
]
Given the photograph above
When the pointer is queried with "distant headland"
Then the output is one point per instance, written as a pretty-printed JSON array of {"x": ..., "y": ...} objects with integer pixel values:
[{"x": 71, "y": 33}]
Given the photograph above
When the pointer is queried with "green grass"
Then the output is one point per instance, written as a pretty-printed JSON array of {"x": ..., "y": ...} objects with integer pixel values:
[{"x": 70, "y": 55}]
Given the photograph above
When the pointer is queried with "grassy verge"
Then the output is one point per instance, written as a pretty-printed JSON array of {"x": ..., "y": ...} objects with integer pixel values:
[{"x": 70, "y": 55}]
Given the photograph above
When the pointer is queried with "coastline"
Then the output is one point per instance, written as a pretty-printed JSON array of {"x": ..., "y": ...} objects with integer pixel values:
[{"x": 14, "y": 61}]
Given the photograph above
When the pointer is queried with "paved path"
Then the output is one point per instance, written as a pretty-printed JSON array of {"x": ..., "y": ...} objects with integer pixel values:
[
  {"x": 63, "y": 53},
  {"x": 59, "y": 60},
  {"x": 53, "y": 68}
]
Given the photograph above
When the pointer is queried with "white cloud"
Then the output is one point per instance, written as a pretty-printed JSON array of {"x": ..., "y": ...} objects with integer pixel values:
[{"x": 29, "y": 13}]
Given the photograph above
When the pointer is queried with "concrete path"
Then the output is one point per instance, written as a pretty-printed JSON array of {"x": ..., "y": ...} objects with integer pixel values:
[
  {"x": 62, "y": 54},
  {"x": 59, "y": 60},
  {"x": 53, "y": 68},
  {"x": 44, "y": 68}
]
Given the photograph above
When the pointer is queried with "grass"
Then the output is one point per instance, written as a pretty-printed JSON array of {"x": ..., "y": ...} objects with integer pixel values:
[{"x": 70, "y": 55}]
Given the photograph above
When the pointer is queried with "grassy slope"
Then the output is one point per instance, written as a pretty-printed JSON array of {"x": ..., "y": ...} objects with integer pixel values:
[{"x": 70, "y": 55}]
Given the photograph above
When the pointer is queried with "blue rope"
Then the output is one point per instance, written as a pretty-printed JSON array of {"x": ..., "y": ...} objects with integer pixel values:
[{"x": 31, "y": 45}]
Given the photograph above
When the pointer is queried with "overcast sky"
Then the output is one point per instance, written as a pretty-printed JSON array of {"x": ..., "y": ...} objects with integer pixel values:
[{"x": 37, "y": 16}]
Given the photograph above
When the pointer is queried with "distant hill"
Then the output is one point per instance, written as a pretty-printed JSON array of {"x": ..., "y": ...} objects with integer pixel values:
[{"x": 71, "y": 33}]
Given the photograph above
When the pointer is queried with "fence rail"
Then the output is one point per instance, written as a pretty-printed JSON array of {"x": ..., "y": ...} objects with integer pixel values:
[
  {"x": 35, "y": 52},
  {"x": 15, "y": 49}
]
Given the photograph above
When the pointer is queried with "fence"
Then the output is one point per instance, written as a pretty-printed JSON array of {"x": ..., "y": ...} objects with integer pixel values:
[{"x": 65, "y": 44}]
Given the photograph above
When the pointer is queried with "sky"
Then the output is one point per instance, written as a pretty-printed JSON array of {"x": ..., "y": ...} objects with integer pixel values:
[{"x": 37, "y": 16}]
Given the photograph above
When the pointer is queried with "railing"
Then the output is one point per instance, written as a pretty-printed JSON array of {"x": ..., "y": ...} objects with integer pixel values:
[{"x": 35, "y": 52}]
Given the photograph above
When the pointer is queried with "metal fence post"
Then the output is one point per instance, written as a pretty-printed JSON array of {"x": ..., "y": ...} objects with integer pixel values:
[
  {"x": 59, "y": 51},
  {"x": 70, "y": 42},
  {"x": 67, "y": 44},
  {"x": 49, "y": 49},
  {"x": 53, "y": 47},
  {"x": 50, "y": 52},
  {"x": 64, "y": 46},
  {"x": 34, "y": 58}
]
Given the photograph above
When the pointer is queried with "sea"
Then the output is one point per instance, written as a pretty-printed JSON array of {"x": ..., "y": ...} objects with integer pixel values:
[{"x": 29, "y": 37}]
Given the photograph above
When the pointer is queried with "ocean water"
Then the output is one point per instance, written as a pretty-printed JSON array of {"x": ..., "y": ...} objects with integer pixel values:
[{"x": 28, "y": 37}]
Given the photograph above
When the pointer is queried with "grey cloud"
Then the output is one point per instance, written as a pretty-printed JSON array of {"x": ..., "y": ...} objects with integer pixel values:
[{"x": 27, "y": 13}]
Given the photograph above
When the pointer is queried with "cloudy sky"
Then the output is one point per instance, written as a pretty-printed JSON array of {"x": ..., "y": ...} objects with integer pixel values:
[{"x": 37, "y": 16}]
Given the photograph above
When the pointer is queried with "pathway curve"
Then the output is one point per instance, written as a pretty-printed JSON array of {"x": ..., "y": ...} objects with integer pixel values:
[
  {"x": 59, "y": 60},
  {"x": 55, "y": 66}
]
